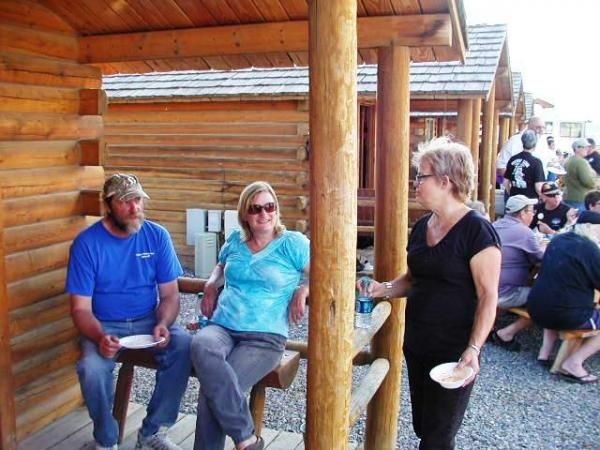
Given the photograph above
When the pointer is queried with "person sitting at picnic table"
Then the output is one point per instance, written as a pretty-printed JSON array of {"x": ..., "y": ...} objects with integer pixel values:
[
  {"x": 524, "y": 172},
  {"x": 261, "y": 268},
  {"x": 520, "y": 252},
  {"x": 580, "y": 177},
  {"x": 592, "y": 201},
  {"x": 563, "y": 295},
  {"x": 122, "y": 281},
  {"x": 452, "y": 289},
  {"x": 552, "y": 214}
]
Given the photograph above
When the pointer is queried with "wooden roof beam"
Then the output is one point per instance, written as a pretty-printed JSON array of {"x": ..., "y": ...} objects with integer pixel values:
[{"x": 410, "y": 31}]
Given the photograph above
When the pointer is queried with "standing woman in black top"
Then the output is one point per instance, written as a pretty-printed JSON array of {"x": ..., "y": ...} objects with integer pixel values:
[{"x": 452, "y": 289}]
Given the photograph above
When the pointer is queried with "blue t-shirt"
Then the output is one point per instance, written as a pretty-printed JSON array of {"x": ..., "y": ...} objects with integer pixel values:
[
  {"x": 259, "y": 287},
  {"x": 121, "y": 274}
]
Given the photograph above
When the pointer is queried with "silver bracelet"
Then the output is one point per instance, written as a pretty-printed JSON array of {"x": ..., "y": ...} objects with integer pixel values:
[
  {"x": 474, "y": 347},
  {"x": 388, "y": 286}
]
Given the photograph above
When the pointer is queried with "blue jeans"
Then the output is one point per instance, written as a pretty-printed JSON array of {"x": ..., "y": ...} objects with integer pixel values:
[
  {"x": 228, "y": 363},
  {"x": 96, "y": 379}
]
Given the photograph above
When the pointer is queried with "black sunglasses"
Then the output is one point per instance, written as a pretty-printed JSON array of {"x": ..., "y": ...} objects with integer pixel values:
[{"x": 256, "y": 209}]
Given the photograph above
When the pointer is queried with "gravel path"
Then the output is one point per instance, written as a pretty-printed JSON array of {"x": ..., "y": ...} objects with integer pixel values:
[{"x": 516, "y": 403}]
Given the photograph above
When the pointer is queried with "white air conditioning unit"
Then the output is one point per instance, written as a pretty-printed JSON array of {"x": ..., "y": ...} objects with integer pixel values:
[
  {"x": 230, "y": 222},
  {"x": 214, "y": 220},
  {"x": 205, "y": 254},
  {"x": 195, "y": 223}
]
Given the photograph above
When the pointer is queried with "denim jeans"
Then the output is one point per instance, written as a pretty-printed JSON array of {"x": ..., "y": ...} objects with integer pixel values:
[
  {"x": 96, "y": 379},
  {"x": 437, "y": 412},
  {"x": 228, "y": 363}
]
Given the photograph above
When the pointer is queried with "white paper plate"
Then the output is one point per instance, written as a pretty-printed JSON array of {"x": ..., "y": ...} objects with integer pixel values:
[
  {"x": 445, "y": 375},
  {"x": 140, "y": 341}
]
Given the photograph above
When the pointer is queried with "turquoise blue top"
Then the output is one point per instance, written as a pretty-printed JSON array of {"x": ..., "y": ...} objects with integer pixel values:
[{"x": 259, "y": 287}]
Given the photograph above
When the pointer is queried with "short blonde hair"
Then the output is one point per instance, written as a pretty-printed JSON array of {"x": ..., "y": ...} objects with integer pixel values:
[
  {"x": 246, "y": 198},
  {"x": 449, "y": 159}
]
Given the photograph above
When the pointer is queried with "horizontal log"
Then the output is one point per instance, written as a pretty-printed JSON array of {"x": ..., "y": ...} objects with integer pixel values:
[
  {"x": 47, "y": 72},
  {"x": 28, "y": 41},
  {"x": 31, "y": 262},
  {"x": 199, "y": 104},
  {"x": 34, "y": 289},
  {"x": 40, "y": 339},
  {"x": 30, "y": 154},
  {"x": 221, "y": 164},
  {"x": 24, "y": 126},
  {"x": 373, "y": 32},
  {"x": 251, "y": 142},
  {"x": 234, "y": 116},
  {"x": 32, "y": 14},
  {"x": 36, "y": 393},
  {"x": 26, "y": 98},
  {"x": 35, "y": 315},
  {"x": 363, "y": 336},
  {"x": 25, "y": 183},
  {"x": 28, "y": 210},
  {"x": 367, "y": 388},
  {"x": 53, "y": 408},
  {"x": 189, "y": 285},
  {"x": 40, "y": 364},
  {"x": 26, "y": 237},
  {"x": 233, "y": 129}
]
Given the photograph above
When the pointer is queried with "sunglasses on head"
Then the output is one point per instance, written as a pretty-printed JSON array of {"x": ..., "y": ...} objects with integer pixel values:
[{"x": 256, "y": 209}]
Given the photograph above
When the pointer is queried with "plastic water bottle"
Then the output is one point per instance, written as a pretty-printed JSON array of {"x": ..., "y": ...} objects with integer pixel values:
[
  {"x": 202, "y": 319},
  {"x": 363, "y": 306}
]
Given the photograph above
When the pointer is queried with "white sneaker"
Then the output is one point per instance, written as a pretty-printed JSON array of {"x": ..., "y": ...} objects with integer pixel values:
[
  {"x": 158, "y": 441},
  {"x": 100, "y": 447}
]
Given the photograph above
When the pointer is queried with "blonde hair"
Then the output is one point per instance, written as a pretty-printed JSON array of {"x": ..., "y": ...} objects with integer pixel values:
[
  {"x": 246, "y": 198},
  {"x": 449, "y": 159}
]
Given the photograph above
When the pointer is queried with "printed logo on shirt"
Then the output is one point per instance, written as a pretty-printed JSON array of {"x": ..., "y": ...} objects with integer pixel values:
[{"x": 145, "y": 255}]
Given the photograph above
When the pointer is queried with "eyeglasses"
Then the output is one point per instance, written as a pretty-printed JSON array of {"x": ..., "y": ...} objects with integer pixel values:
[
  {"x": 253, "y": 210},
  {"x": 421, "y": 176}
]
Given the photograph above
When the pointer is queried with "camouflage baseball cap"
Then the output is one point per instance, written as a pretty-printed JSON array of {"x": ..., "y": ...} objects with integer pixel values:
[{"x": 122, "y": 185}]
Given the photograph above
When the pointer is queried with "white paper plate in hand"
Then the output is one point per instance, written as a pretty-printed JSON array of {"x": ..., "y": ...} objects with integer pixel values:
[{"x": 139, "y": 341}]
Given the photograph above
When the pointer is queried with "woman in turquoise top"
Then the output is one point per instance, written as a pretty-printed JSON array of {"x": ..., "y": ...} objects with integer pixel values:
[{"x": 261, "y": 269}]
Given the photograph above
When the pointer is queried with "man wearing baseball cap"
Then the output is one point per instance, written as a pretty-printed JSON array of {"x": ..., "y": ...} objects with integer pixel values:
[
  {"x": 524, "y": 172},
  {"x": 520, "y": 251},
  {"x": 552, "y": 214},
  {"x": 122, "y": 281},
  {"x": 580, "y": 177}
]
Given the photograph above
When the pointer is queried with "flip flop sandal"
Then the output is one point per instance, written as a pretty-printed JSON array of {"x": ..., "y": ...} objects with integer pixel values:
[
  {"x": 511, "y": 346},
  {"x": 588, "y": 378}
]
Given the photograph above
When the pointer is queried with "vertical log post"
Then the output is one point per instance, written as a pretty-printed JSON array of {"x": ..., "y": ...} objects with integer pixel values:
[
  {"x": 464, "y": 126},
  {"x": 487, "y": 140},
  {"x": 513, "y": 125},
  {"x": 475, "y": 125},
  {"x": 391, "y": 232},
  {"x": 8, "y": 427},
  {"x": 504, "y": 133},
  {"x": 495, "y": 140},
  {"x": 333, "y": 187}
]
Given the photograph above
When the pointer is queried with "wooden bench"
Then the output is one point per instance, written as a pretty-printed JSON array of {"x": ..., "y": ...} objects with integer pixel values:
[
  {"x": 279, "y": 378},
  {"x": 571, "y": 340}
]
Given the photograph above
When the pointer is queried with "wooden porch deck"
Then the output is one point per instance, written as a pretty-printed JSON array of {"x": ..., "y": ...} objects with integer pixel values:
[{"x": 74, "y": 432}]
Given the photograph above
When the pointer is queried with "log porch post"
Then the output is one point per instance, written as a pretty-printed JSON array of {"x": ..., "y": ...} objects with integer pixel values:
[
  {"x": 8, "y": 426},
  {"x": 495, "y": 140},
  {"x": 487, "y": 140},
  {"x": 391, "y": 232},
  {"x": 333, "y": 188},
  {"x": 464, "y": 126},
  {"x": 504, "y": 131},
  {"x": 475, "y": 125}
]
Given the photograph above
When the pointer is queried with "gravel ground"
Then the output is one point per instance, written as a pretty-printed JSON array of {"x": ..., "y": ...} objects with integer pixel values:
[{"x": 516, "y": 404}]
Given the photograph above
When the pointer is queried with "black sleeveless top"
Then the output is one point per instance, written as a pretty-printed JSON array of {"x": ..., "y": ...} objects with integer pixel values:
[{"x": 442, "y": 299}]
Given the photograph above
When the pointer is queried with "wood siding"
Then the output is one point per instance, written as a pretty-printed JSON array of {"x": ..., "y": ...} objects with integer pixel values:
[
  {"x": 201, "y": 155},
  {"x": 49, "y": 103}
]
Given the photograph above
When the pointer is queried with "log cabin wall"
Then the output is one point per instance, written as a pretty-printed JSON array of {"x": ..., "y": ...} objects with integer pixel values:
[
  {"x": 49, "y": 105},
  {"x": 202, "y": 154}
]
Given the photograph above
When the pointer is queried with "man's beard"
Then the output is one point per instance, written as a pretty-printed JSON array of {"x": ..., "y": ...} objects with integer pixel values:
[{"x": 128, "y": 227}]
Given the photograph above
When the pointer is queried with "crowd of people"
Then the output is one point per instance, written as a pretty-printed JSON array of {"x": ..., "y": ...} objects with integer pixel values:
[
  {"x": 555, "y": 232},
  {"x": 123, "y": 271}
]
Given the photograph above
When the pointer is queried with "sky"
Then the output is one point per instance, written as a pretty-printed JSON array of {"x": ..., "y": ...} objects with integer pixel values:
[{"x": 556, "y": 45}]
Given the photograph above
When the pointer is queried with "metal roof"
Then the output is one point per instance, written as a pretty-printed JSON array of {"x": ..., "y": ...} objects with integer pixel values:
[{"x": 473, "y": 78}]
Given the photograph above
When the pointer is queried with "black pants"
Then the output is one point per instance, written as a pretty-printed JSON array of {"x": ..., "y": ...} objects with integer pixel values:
[{"x": 437, "y": 412}]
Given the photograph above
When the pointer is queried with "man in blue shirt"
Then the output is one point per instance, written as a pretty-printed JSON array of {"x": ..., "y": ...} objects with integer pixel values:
[{"x": 122, "y": 281}]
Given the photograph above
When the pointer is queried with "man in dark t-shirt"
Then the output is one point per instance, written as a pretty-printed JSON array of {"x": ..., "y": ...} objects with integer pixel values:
[
  {"x": 551, "y": 213},
  {"x": 593, "y": 157},
  {"x": 524, "y": 172}
]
